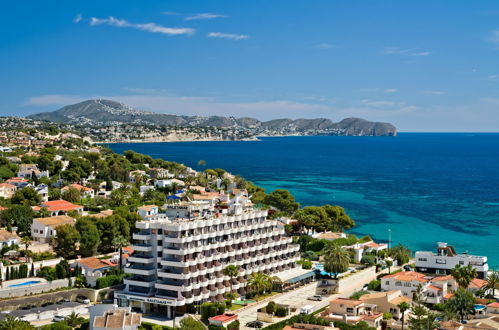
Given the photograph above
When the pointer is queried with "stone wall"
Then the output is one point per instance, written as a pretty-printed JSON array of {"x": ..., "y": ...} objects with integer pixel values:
[{"x": 34, "y": 288}]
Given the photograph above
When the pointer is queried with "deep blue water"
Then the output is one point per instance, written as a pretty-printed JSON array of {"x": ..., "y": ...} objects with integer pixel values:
[{"x": 425, "y": 187}]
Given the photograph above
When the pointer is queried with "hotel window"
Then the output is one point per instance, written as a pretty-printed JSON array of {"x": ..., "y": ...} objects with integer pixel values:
[
  {"x": 461, "y": 262},
  {"x": 422, "y": 259},
  {"x": 441, "y": 261}
]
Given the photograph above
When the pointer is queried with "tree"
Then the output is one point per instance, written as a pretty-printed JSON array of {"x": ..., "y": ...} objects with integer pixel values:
[
  {"x": 493, "y": 282},
  {"x": 10, "y": 322},
  {"x": 74, "y": 320},
  {"x": 260, "y": 282},
  {"x": 89, "y": 237},
  {"x": 188, "y": 323},
  {"x": 120, "y": 242},
  {"x": 108, "y": 230},
  {"x": 26, "y": 196},
  {"x": 336, "y": 260},
  {"x": 403, "y": 306},
  {"x": 232, "y": 272},
  {"x": 389, "y": 264},
  {"x": 202, "y": 163},
  {"x": 339, "y": 219},
  {"x": 401, "y": 254},
  {"x": 282, "y": 200},
  {"x": 26, "y": 240},
  {"x": 462, "y": 303},
  {"x": 64, "y": 243},
  {"x": 464, "y": 275},
  {"x": 20, "y": 216},
  {"x": 72, "y": 195}
]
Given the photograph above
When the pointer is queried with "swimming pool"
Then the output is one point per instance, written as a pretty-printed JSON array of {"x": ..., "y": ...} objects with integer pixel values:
[
  {"x": 320, "y": 267},
  {"x": 23, "y": 284},
  {"x": 479, "y": 307}
]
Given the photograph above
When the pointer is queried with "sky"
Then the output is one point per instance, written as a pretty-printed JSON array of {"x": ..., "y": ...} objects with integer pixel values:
[{"x": 421, "y": 65}]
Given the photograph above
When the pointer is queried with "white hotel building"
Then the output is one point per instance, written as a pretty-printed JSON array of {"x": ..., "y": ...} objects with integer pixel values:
[
  {"x": 179, "y": 255},
  {"x": 447, "y": 258}
]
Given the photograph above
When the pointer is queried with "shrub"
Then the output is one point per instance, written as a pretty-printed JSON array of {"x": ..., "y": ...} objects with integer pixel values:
[
  {"x": 271, "y": 307},
  {"x": 374, "y": 285},
  {"x": 368, "y": 260},
  {"x": 233, "y": 325},
  {"x": 439, "y": 307},
  {"x": 358, "y": 294},
  {"x": 109, "y": 280},
  {"x": 387, "y": 316},
  {"x": 281, "y": 311},
  {"x": 310, "y": 255},
  {"x": 211, "y": 309},
  {"x": 305, "y": 264}
]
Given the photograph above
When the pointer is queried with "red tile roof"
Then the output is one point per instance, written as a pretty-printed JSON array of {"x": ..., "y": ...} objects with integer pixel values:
[
  {"x": 224, "y": 317},
  {"x": 59, "y": 205}
]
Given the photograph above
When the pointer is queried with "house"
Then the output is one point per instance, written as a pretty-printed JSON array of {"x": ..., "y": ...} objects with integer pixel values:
[
  {"x": 147, "y": 211},
  {"x": 145, "y": 188},
  {"x": 134, "y": 175},
  {"x": 59, "y": 207},
  {"x": 387, "y": 302},
  {"x": 7, "y": 190},
  {"x": 28, "y": 170},
  {"x": 159, "y": 173},
  {"x": 102, "y": 214},
  {"x": 109, "y": 316},
  {"x": 18, "y": 182},
  {"x": 353, "y": 311},
  {"x": 162, "y": 183},
  {"x": 407, "y": 282},
  {"x": 178, "y": 182},
  {"x": 493, "y": 308},
  {"x": 450, "y": 283},
  {"x": 7, "y": 238},
  {"x": 94, "y": 268},
  {"x": 85, "y": 192},
  {"x": 446, "y": 259},
  {"x": 43, "y": 191},
  {"x": 360, "y": 248},
  {"x": 43, "y": 229},
  {"x": 222, "y": 320}
]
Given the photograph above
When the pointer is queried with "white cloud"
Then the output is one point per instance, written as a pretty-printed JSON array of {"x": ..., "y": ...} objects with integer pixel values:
[
  {"x": 77, "y": 18},
  {"x": 170, "y": 13},
  {"x": 435, "y": 92},
  {"x": 149, "y": 27},
  {"x": 382, "y": 104},
  {"x": 54, "y": 99},
  {"x": 404, "y": 51},
  {"x": 204, "y": 16},
  {"x": 493, "y": 76},
  {"x": 421, "y": 54},
  {"x": 228, "y": 36},
  {"x": 494, "y": 37},
  {"x": 390, "y": 90}
]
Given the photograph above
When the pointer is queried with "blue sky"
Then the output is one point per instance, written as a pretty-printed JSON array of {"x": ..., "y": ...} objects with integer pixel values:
[{"x": 422, "y": 65}]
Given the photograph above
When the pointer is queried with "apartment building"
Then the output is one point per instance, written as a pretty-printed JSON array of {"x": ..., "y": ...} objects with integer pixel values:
[
  {"x": 446, "y": 259},
  {"x": 179, "y": 255}
]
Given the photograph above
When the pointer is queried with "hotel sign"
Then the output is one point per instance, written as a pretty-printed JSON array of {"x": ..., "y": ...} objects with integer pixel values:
[{"x": 151, "y": 300}]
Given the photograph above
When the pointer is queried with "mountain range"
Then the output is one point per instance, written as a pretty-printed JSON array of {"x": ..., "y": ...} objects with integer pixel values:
[{"x": 100, "y": 112}]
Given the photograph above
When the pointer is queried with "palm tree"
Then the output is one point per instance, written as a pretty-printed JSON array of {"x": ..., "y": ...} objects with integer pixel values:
[
  {"x": 403, "y": 306},
  {"x": 27, "y": 242},
  {"x": 336, "y": 260},
  {"x": 10, "y": 322},
  {"x": 120, "y": 242},
  {"x": 464, "y": 275},
  {"x": 230, "y": 271},
  {"x": 462, "y": 303},
  {"x": 493, "y": 282},
  {"x": 389, "y": 264},
  {"x": 74, "y": 320},
  {"x": 259, "y": 282}
]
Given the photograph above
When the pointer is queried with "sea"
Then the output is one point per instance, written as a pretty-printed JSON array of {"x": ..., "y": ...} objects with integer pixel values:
[{"x": 416, "y": 188}]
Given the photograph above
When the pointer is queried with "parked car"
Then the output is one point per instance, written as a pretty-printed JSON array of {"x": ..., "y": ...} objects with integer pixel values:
[
  {"x": 58, "y": 318},
  {"x": 316, "y": 297},
  {"x": 255, "y": 324},
  {"x": 83, "y": 300}
]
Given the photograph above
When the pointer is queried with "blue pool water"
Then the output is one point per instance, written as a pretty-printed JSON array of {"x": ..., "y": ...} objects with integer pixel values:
[
  {"x": 23, "y": 284},
  {"x": 425, "y": 187}
]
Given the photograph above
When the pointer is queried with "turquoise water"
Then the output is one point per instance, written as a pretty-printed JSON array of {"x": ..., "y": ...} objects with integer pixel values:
[
  {"x": 23, "y": 284},
  {"x": 425, "y": 187}
]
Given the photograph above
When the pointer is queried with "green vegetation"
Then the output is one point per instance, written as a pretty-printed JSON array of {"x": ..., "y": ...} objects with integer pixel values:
[
  {"x": 358, "y": 294},
  {"x": 464, "y": 275},
  {"x": 336, "y": 260},
  {"x": 211, "y": 309}
]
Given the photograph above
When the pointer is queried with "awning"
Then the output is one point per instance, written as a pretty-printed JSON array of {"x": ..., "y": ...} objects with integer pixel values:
[{"x": 301, "y": 277}]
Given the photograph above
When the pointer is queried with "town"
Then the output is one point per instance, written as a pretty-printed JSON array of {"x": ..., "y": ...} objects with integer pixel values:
[{"x": 91, "y": 239}]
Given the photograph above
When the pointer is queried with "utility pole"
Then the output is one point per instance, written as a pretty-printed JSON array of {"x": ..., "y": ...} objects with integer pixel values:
[{"x": 389, "y": 238}]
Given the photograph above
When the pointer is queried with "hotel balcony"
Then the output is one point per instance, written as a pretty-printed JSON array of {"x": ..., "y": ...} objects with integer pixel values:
[
  {"x": 138, "y": 269},
  {"x": 143, "y": 235},
  {"x": 143, "y": 259},
  {"x": 143, "y": 247},
  {"x": 146, "y": 282}
]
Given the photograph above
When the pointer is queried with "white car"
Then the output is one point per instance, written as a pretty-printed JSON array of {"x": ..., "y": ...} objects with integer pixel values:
[
  {"x": 316, "y": 297},
  {"x": 83, "y": 300},
  {"x": 58, "y": 318}
]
